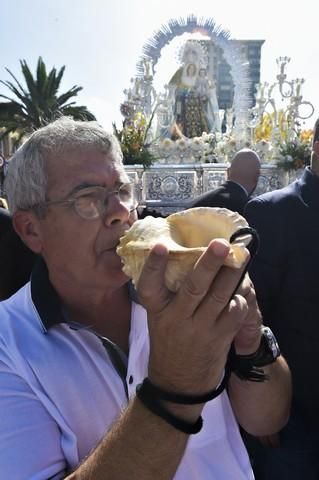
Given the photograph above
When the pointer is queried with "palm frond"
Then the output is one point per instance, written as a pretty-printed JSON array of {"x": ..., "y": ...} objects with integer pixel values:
[
  {"x": 42, "y": 77},
  {"x": 51, "y": 85},
  {"x": 31, "y": 84},
  {"x": 78, "y": 113},
  {"x": 23, "y": 91},
  {"x": 38, "y": 103},
  {"x": 14, "y": 90},
  {"x": 59, "y": 77},
  {"x": 70, "y": 93},
  {"x": 26, "y": 102}
]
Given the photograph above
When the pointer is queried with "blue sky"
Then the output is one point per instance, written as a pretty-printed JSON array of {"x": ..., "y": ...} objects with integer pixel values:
[{"x": 100, "y": 41}]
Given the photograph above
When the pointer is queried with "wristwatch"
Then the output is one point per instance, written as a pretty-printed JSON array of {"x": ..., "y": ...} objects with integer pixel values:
[
  {"x": 248, "y": 367},
  {"x": 267, "y": 352}
]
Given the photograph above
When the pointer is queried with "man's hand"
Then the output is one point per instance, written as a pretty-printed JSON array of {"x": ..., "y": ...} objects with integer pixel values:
[
  {"x": 191, "y": 331},
  {"x": 248, "y": 337}
]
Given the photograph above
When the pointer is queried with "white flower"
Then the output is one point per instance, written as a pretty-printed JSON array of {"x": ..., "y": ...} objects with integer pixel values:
[
  {"x": 205, "y": 136},
  {"x": 197, "y": 143},
  {"x": 166, "y": 144},
  {"x": 182, "y": 143},
  {"x": 262, "y": 146}
]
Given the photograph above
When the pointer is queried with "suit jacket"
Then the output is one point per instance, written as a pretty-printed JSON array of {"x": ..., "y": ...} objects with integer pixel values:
[
  {"x": 228, "y": 195},
  {"x": 16, "y": 260},
  {"x": 285, "y": 272}
]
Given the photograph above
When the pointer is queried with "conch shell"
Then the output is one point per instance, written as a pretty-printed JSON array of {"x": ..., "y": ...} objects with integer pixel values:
[{"x": 186, "y": 235}]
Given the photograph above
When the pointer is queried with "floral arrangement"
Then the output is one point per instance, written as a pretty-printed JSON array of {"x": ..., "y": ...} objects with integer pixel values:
[
  {"x": 227, "y": 145},
  {"x": 290, "y": 148},
  {"x": 209, "y": 141},
  {"x": 133, "y": 140},
  {"x": 183, "y": 149},
  {"x": 296, "y": 153},
  {"x": 265, "y": 129}
]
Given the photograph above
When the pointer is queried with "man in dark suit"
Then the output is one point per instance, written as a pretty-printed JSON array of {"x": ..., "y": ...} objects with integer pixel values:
[
  {"x": 285, "y": 273},
  {"x": 242, "y": 178},
  {"x": 16, "y": 260}
]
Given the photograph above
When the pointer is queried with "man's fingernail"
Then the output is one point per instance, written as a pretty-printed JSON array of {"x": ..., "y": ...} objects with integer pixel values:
[
  {"x": 221, "y": 248},
  {"x": 159, "y": 250}
]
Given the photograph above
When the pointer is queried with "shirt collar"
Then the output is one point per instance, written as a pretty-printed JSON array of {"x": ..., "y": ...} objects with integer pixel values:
[
  {"x": 44, "y": 297},
  {"x": 46, "y": 300},
  {"x": 239, "y": 185}
]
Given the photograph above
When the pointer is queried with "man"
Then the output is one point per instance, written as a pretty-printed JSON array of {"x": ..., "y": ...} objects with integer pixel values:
[
  {"x": 75, "y": 348},
  {"x": 242, "y": 179},
  {"x": 285, "y": 275},
  {"x": 16, "y": 260}
]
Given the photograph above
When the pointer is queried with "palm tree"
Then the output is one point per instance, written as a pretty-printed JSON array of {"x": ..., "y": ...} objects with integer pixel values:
[{"x": 38, "y": 103}]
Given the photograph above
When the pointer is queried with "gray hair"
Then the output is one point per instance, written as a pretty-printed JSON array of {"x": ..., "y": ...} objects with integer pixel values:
[{"x": 26, "y": 179}]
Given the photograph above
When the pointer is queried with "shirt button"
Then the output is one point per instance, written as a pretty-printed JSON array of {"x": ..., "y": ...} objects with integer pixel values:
[{"x": 130, "y": 380}]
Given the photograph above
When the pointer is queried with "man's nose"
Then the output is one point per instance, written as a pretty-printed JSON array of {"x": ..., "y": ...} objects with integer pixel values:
[{"x": 115, "y": 211}]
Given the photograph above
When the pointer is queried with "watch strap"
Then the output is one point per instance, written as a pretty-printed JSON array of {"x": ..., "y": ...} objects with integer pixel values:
[{"x": 249, "y": 367}]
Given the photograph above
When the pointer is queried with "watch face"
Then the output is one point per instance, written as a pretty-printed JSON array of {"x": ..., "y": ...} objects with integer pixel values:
[{"x": 271, "y": 341}]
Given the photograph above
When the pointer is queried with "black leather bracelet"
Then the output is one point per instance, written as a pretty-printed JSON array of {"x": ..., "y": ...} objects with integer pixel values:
[
  {"x": 241, "y": 368},
  {"x": 152, "y": 392},
  {"x": 252, "y": 248},
  {"x": 158, "y": 409}
]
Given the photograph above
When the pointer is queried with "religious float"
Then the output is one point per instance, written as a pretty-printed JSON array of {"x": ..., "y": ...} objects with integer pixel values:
[{"x": 177, "y": 138}]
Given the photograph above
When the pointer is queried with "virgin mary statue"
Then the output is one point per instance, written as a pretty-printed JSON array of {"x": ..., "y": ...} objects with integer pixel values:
[{"x": 196, "y": 106}]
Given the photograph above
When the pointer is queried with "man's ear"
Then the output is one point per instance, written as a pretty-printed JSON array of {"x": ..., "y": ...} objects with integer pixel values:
[
  {"x": 316, "y": 148},
  {"x": 27, "y": 225}
]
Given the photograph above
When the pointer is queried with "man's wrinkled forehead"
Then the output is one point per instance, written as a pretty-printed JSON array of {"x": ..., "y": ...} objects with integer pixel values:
[
  {"x": 82, "y": 154},
  {"x": 123, "y": 176},
  {"x": 118, "y": 166},
  {"x": 79, "y": 164}
]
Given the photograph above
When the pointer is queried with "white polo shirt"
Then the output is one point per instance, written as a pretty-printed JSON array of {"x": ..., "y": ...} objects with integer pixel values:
[{"x": 60, "y": 393}]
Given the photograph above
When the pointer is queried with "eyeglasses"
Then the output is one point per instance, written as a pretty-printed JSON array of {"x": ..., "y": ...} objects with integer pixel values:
[{"x": 92, "y": 202}]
